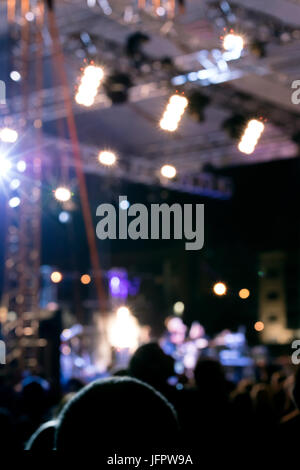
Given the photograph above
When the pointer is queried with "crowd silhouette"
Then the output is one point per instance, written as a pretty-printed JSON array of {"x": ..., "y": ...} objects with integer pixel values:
[{"x": 139, "y": 408}]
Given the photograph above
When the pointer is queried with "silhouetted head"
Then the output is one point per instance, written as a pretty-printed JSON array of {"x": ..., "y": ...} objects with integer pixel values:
[
  {"x": 150, "y": 364},
  {"x": 115, "y": 412},
  {"x": 209, "y": 375},
  {"x": 43, "y": 439},
  {"x": 296, "y": 391},
  {"x": 34, "y": 394}
]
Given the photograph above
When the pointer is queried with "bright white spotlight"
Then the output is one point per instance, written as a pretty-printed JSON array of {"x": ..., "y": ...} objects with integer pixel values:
[
  {"x": 233, "y": 43},
  {"x": 124, "y": 205},
  {"x": 124, "y": 330},
  {"x": 107, "y": 158},
  {"x": 21, "y": 166},
  {"x": 90, "y": 81},
  {"x": 220, "y": 288},
  {"x": 56, "y": 277},
  {"x": 64, "y": 217},
  {"x": 173, "y": 113},
  {"x": 15, "y": 75},
  {"x": 251, "y": 136},
  {"x": 62, "y": 194},
  {"x": 8, "y": 135},
  {"x": 5, "y": 165},
  {"x": 14, "y": 202},
  {"x": 168, "y": 171}
]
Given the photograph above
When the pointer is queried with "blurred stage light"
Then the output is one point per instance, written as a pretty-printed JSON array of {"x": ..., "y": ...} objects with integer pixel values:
[
  {"x": 62, "y": 194},
  {"x": 64, "y": 217},
  {"x": 21, "y": 166},
  {"x": 29, "y": 16},
  {"x": 90, "y": 81},
  {"x": 56, "y": 277},
  {"x": 233, "y": 41},
  {"x": 5, "y": 165},
  {"x": 178, "y": 308},
  {"x": 15, "y": 75},
  {"x": 107, "y": 158},
  {"x": 220, "y": 288},
  {"x": 160, "y": 11},
  {"x": 85, "y": 279},
  {"x": 124, "y": 330},
  {"x": 259, "y": 326},
  {"x": 65, "y": 349},
  {"x": 168, "y": 171},
  {"x": 251, "y": 136},
  {"x": 14, "y": 202},
  {"x": 124, "y": 205},
  {"x": 244, "y": 293},
  {"x": 115, "y": 282},
  {"x": 173, "y": 113},
  {"x": 123, "y": 312},
  {"x": 15, "y": 184},
  {"x": 8, "y": 135}
]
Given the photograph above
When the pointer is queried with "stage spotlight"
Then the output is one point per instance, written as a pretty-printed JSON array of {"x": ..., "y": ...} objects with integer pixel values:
[
  {"x": 29, "y": 16},
  {"x": 197, "y": 104},
  {"x": 178, "y": 308},
  {"x": 15, "y": 184},
  {"x": 5, "y": 166},
  {"x": 64, "y": 217},
  {"x": 124, "y": 205},
  {"x": 259, "y": 326},
  {"x": 85, "y": 279},
  {"x": 21, "y": 166},
  {"x": 244, "y": 293},
  {"x": 89, "y": 84},
  {"x": 56, "y": 277},
  {"x": 173, "y": 113},
  {"x": 62, "y": 194},
  {"x": 15, "y": 75},
  {"x": 123, "y": 312},
  {"x": 123, "y": 330},
  {"x": 14, "y": 202},
  {"x": 233, "y": 43},
  {"x": 168, "y": 171},
  {"x": 117, "y": 87},
  {"x": 8, "y": 135},
  {"x": 115, "y": 282},
  {"x": 107, "y": 158},
  {"x": 220, "y": 288},
  {"x": 251, "y": 136}
]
